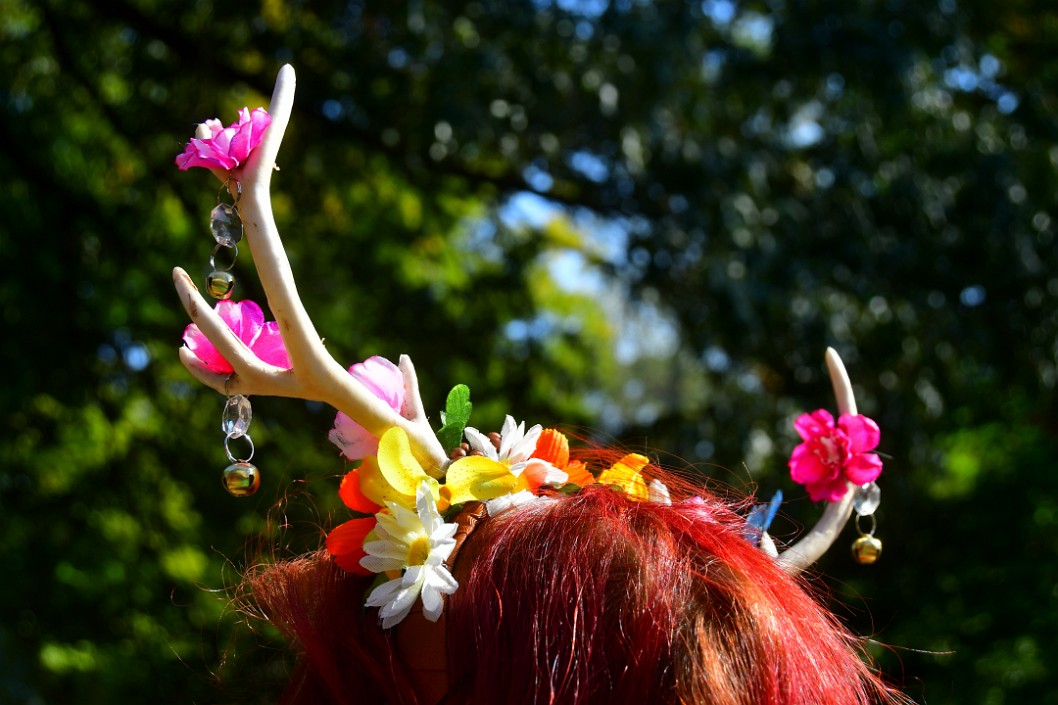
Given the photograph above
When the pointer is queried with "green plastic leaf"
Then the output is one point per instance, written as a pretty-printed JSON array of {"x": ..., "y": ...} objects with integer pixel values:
[{"x": 455, "y": 417}]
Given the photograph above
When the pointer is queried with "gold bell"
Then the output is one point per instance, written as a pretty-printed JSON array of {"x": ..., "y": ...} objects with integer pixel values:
[
  {"x": 866, "y": 549},
  {"x": 241, "y": 479},
  {"x": 220, "y": 284}
]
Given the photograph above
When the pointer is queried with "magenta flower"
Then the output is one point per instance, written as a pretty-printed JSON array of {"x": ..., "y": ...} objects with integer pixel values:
[
  {"x": 834, "y": 454},
  {"x": 227, "y": 147},
  {"x": 246, "y": 320},
  {"x": 383, "y": 379}
]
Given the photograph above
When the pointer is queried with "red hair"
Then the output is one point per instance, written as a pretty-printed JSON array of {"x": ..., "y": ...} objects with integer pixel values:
[{"x": 589, "y": 598}]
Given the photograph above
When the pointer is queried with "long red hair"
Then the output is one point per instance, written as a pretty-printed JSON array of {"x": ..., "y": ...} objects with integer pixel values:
[{"x": 581, "y": 599}]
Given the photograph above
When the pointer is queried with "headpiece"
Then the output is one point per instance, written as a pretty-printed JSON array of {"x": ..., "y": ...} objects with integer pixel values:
[{"x": 417, "y": 491}]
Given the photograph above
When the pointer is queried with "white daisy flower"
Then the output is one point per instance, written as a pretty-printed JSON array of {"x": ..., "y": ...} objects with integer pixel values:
[
  {"x": 658, "y": 492},
  {"x": 418, "y": 543},
  {"x": 515, "y": 499},
  {"x": 516, "y": 444}
]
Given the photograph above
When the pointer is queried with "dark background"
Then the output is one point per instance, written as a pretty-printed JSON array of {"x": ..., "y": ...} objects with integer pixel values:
[{"x": 644, "y": 220}]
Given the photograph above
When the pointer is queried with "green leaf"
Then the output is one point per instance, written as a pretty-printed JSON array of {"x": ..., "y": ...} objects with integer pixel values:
[{"x": 455, "y": 417}]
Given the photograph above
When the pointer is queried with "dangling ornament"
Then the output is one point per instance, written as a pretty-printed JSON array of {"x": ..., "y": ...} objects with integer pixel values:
[
  {"x": 867, "y": 549},
  {"x": 241, "y": 478},
  {"x": 225, "y": 222}
]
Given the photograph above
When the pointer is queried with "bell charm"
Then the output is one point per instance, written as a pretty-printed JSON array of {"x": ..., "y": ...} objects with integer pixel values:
[
  {"x": 241, "y": 479},
  {"x": 866, "y": 549},
  {"x": 220, "y": 284}
]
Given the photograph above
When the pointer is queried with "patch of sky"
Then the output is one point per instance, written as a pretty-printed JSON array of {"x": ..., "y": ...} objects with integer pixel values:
[
  {"x": 962, "y": 78},
  {"x": 1007, "y": 103},
  {"x": 584, "y": 8},
  {"x": 537, "y": 178},
  {"x": 721, "y": 12},
  {"x": 397, "y": 58},
  {"x": 645, "y": 328},
  {"x": 136, "y": 356},
  {"x": 753, "y": 31},
  {"x": 716, "y": 359},
  {"x": 804, "y": 129},
  {"x": 972, "y": 296},
  {"x": 589, "y": 165},
  {"x": 332, "y": 110},
  {"x": 713, "y": 65},
  {"x": 967, "y": 78}
]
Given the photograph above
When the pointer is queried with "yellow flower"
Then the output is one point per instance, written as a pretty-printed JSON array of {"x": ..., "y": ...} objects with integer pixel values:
[
  {"x": 394, "y": 475},
  {"x": 478, "y": 477},
  {"x": 627, "y": 473}
]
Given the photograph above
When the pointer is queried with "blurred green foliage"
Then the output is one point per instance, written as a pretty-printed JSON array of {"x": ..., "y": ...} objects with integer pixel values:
[{"x": 645, "y": 219}]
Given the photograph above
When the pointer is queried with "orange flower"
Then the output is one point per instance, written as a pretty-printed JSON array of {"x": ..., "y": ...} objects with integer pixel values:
[{"x": 553, "y": 446}]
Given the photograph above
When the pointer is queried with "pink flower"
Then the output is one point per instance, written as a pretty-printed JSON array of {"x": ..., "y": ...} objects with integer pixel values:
[
  {"x": 383, "y": 379},
  {"x": 247, "y": 321},
  {"x": 834, "y": 454},
  {"x": 228, "y": 147}
]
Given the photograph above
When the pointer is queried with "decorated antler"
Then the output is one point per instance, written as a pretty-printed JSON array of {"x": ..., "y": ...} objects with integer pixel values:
[
  {"x": 314, "y": 375},
  {"x": 816, "y": 542}
]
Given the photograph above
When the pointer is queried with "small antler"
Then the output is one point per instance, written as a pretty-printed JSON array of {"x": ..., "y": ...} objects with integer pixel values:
[
  {"x": 314, "y": 375},
  {"x": 816, "y": 542}
]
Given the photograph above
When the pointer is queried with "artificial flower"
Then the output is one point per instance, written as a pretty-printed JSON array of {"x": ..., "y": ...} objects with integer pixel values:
[
  {"x": 514, "y": 499},
  {"x": 627, "y": 473},
  {"x": 832, "y": 455},
  {"x": 394, "y": 475},
  {"x": 246, "y": 320},
  {"x": 477, "y": 478},
  {"x": 352, "y": 495},
  {"x": 346, "y": 543},
  {"x": 578, "y": 474},
  {"x": 658, "y": 492},
  {"x": 418, "y": 543},
  {"x": 516, "y": 444},
  {"x": 538, "y": 473},
  {"x": 553, "y": 446},
  {"x": 226, "y": 147},
  {"x": 383, "y": 379}
]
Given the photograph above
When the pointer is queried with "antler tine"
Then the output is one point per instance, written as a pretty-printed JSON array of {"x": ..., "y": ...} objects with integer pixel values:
[
  {"x": 315, "y": 375},
  {"x": 816, "y": 542}
]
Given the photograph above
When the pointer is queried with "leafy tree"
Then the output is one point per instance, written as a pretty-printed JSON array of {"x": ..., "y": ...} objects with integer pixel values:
[{"x": 646, "y": 218}]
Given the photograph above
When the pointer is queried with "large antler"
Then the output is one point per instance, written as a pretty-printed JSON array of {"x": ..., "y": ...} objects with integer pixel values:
[
  {"x": 816, "y": 542},
  {"x": 314, "y": 375}
]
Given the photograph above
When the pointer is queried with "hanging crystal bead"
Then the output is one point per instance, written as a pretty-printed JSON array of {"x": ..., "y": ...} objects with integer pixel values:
[
  {"x": 235, "y": 420},
  {"x": 867, "y": 499},
  {"x": 226, "y": 224}
]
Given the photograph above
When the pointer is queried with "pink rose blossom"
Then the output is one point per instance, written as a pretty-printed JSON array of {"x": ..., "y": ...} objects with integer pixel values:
[
  {"x": 227, "y": 147},
  {"x": 383, "y": 379},
  {"x": 247, "y": 322},
  {"x": 834, "y": 454}
]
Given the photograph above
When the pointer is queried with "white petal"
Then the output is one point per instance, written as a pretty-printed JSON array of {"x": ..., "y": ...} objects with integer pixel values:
[
  {"x": 499, "y": 504},
  {"x": 658, "y": 492},
  {"x": 432, "y": 604},
  {"x": 441, "y": 579},
  {"x": 383, "y": 593},
  {"x": 440, "y": 551},
  {"x": 479, "y": 442},
  {"x": 386, "y": 549},
  {"x": 378, "y": 564},
  {"x": 526, "y": 445}
]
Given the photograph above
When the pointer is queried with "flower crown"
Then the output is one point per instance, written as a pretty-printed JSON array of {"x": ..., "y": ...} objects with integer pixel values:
[{"x": 413, "y": 484}]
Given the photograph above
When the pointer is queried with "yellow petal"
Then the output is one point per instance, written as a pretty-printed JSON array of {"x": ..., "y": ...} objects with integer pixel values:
[
  {"x": 375, "y": 487},
  {"x": 398, "y": 465},
  {"x": 480, "y": 478},
  {"x": 628, "y": 474}
]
